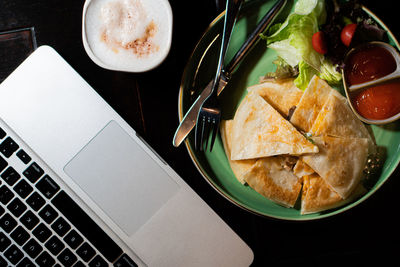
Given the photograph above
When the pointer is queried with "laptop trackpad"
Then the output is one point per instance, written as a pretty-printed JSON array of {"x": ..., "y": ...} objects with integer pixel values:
[{"x": 123, "y": 180}]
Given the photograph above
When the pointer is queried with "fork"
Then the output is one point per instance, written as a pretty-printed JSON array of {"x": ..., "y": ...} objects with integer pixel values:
[{"x": 209, "y": 116}]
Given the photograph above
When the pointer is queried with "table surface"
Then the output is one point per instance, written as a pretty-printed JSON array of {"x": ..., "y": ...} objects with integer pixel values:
[{"x": 149, "y": 103}]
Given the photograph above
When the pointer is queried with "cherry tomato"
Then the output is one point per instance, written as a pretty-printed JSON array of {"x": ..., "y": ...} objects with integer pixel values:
[
  {"x": 347, "y": 33},
  {"x": 318, "y": 42}
]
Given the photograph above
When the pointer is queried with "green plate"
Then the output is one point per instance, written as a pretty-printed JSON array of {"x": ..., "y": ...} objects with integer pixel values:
[{"x": 214, "y": 166}]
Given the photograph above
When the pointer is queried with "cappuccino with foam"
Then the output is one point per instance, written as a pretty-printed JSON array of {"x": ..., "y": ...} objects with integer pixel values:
[{"x": 128, "y": 35}]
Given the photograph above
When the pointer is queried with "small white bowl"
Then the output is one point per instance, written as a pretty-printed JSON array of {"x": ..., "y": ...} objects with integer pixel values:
[
  {"x": 349, "y": 89},
  {"x": 159, "y": 10}
]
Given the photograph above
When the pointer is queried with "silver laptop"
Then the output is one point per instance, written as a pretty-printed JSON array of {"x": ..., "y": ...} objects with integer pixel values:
[{"x": 79, "y": 187}]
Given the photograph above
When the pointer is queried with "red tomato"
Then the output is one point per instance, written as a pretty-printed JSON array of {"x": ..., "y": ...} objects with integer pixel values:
[
  {"x": 318, "y": 42},
  {"x": 348, "y": 33}
]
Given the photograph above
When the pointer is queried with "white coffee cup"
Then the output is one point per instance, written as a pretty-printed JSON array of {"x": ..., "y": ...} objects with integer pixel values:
[{"x": 127, "y": 35}]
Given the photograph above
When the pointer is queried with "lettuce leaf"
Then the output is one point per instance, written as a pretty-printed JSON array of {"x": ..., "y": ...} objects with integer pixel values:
[{"x": 293, "y": 43}]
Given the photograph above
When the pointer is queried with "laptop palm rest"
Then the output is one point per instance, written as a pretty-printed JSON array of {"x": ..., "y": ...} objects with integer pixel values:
[{"x": 121, "y": 178}]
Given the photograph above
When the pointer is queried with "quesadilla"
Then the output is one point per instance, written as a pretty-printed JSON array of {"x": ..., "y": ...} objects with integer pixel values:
[
  {"x": 282, "y": 95},
  {"x": 260, "y": 131},
  {"x": 340, "y": 162},
  {"x": 337, "y": 119},
  {"x": 311, "y": 103},
  {"x": 318, "y": 196},
  {"x": 239, "y": 167},
  {"x": 271, "y": 178}
]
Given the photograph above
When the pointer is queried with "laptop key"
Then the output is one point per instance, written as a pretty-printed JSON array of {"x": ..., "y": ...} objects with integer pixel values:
[
  {"x": 20, "y": 235},
  {"x": 3, "y": 164},
  {"x": 42, "y": 233},
  {"x": 8, "y": 147},
  {"x": 61, "y": 226},
  {"x": 125, "y": 261},
  {"x": 5, "y": 195},
  {"x": 79, "y": 264},
  {"x": 2, "y": 133},
  {"x": 89, "y": 228},
  {"x": 16, "y": 207},
  {"x": 33, "y": 172},
  {"x": 73, "y": 239},
  {"x": 10, "y": 176},
  {"x": 47, "y": 186},
  {"x": 23, "y": 189},
  {"x": 13, "y": 254},
  {"x": 48, "y": 214},
  {"x": 35, "y": 201},
  {"x": 32, "y": 248},
  {"x": 26, "y": 263},
  {"x": 3, "y": 261},
  {"x": 2, "y": 210},
  {"x": 29, "y": 220},
  {"x": 67, "y": 258},
  {"x": 4, "y": 242},
  {"x": 45, "y": 259},
  {"x": 54, "y": 245},
  {"x": 23, "y": 156},
  {"x": 98, "y": 262},
  {"x": 86, "y": 252},
  {"x": 8, "y": 223}
]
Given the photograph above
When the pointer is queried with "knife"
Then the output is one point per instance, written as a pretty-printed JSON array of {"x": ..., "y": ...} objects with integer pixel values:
[{"x": 189, "y": 120}]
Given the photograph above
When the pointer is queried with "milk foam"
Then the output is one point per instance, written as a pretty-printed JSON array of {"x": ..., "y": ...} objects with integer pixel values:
[
  {"x": 124, "y": 21},
  {"x": 127, "y": 34}
]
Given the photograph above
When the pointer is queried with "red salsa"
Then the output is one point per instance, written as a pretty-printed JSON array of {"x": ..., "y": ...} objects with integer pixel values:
[{"x": 370, "y": 63}]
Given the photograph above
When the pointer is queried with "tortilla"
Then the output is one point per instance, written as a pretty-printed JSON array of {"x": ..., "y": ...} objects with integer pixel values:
[
  {"x": 317, "y": 196},
  {"x": 337, "y": 119},
  {"x": 260, "y": 131},
  {"x": 340, "y": 162},
  {"x": 311, "y": 103},
  {"x": 239, "y": 167},
  {"x": 301, "y": 169},
  {"x": 282, "y": 96},
  {"x": 271, "y": 178}
]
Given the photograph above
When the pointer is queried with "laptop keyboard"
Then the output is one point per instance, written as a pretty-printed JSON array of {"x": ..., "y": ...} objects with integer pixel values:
[{"x": 41, "y": 225}]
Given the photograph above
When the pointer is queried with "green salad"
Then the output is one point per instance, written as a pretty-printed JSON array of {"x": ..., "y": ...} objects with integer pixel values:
[{"x": 314, "y": 38}]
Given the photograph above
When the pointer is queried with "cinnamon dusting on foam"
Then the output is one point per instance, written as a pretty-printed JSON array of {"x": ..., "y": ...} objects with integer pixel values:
[{"x": 126, "y": 27}]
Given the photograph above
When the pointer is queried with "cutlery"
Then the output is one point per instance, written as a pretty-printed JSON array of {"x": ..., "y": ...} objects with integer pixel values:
[
  {"x": 210, "y": 112},
  {"x": 189, "y": 120}
]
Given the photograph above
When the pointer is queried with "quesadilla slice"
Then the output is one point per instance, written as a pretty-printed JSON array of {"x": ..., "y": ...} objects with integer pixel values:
[
  {"x": 337, "y": 119},
  {"x": 281, "y": 95},
  {"x": 260, "y": 131},
  {"x": 311, "y": 103},
  {"x": 239, "y": 167},
  {"x": 271, "y": 178},
  {"x": 317, "y": 196},
  {"x": 340, "y": 162}
]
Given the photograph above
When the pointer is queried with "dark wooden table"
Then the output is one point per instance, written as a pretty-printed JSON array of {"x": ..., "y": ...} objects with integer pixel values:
[{"x": 148, "y": 102}]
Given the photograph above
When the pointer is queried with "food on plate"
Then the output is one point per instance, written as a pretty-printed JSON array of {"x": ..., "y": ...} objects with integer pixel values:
[
  {"x": 273, "y": 178},
  {"x": 378, "y": 102},
  {"x": 318, "y": 196},
  {"x": 322, "y": 161},
  {"x": 315, "y": 38},
  {"x": 301, "y": 169},
  {"x": 239, "y": 167},
  {"x": 259, "y": 130},
  {"x": 283, "y": 95},
  {"x": 347, "y": 33},
  {"x": 340, "y": 161},
  {"x": 311, "y": 103}
]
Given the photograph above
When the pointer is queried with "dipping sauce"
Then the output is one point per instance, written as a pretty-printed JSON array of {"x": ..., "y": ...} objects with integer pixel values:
[
  {"x": 377, "y": 103},
  {"x": 370, "y": 63}
]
